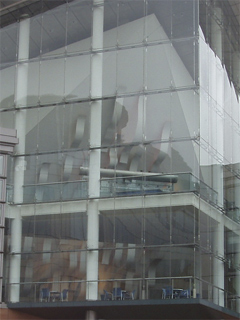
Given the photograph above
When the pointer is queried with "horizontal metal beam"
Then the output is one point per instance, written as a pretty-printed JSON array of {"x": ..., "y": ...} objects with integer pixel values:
[{"x": 110, "y": 173}]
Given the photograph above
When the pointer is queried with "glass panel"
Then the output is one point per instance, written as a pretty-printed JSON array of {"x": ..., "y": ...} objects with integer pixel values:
[
  {"x": 158, "y": 157},
  {"x": 8, "y": 44},
  {"x": 33, "y": 98},
  {"x": 184, "y": 157},
  {"x": 120, "y": 268},
  {"x": 7, "y": 86},
  {"x": 49, "y": 123},
  {"x": 52, "y": 81},
  {"x": 71, "y": 226},
  {"x": 187, "y": 51},
  {"x": 7, "y": 119},
  {"x": 158, "y": 21},
  {"x": 52, "y": 177},
  {"x": 62, "y": 272},
  {"x": 130, "y": 62},
  {"x": 184, "y": 22},
  {"x": 77, "y": 77},
  {"x": 232, "y": 254},
  {"x": 130, "y": 118},
  {"x": 157, "y": 226},
  {"x": 32, "y": 116},
  {"x": 2, "y": 189},
  {"x": 54, "y": 31},
  {"x": 158, "y": 67},
  {"x": 2, "y": 165},
  {"x": 106, "y": 230},
  {"x": 35, "y": 41},
  {"x": 131, "y": 22},
  {"x": 157, "y": 126},
  {"x": 110, "y": 24},
  {"x": 185, "y": 118},
  {"x": 67, "y": 126},
  {"x": 128, "y": 161},
  {"x": 123, "y": 228},
  {"x": 2, "y": 215},
  {"x": 157, "y": 265},
  {"x": 110, "y": 70},
  {"x": 1, "y": 248},
  {"x": 183, "y": 225},
  {"x": 79, "y": 26},
  {"x": 47, "y": 234}
]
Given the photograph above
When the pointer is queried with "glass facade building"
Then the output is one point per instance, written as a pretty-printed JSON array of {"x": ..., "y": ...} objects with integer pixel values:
[{"x": 126, "y": 174}]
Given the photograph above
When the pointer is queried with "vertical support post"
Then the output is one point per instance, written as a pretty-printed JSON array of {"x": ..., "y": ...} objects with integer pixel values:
[
  {"x": 20, "y": 125},
  {"x": 95, "y": 151},
  {"x": 91, "y": 315},
  {"x": 3, "y": 175},
  {"x": 218, "y": 264}
]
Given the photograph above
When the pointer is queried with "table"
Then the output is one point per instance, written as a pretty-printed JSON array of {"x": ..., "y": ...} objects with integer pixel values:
[
  {"x": 118, "y": 293},
  {"x": 55, "y": 296},
  {"x": 176, "y": 292}
]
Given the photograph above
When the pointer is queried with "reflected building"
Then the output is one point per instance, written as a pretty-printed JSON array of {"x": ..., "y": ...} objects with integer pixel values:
[{"x": 126, "y": 171}]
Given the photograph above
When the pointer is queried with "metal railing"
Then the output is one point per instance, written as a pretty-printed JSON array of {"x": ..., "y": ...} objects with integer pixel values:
[
  {"x": 132, "y": 288},
  {"x": 125, "y": 186}
]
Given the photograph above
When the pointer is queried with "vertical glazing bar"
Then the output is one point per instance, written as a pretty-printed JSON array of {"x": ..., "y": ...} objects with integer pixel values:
[{"x": 95, "y": 151}]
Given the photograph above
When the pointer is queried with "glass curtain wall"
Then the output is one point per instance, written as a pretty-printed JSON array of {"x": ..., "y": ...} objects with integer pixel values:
[
  {"x": 149, "y": 151},
  {"x": 219, "y": 92}
]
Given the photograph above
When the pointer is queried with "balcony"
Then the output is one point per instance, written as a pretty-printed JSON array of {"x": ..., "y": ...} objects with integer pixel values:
[
  {"x": 112, "y": 187},
  {"x": 148, "y": 301}
]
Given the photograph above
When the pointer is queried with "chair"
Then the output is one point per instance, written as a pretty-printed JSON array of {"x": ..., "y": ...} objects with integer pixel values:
[
  {"x": 185, "y": 294},
  {"x": 129, "y": 295},
  {"x": 117, "y": 294},
  {"x": 167, "y": 293},
  {"x": 64, "y": 295},
  {"x": 107, "y": 295},
  {"x": 45, "y": 295}
]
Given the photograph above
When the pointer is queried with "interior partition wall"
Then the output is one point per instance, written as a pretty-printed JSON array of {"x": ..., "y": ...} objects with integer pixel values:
[{"x": 116, "y": 182}]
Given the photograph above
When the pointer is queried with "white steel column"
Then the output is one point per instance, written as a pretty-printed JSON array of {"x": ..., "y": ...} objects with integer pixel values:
[
  {"x": 217, "y": 170},
  {"x": 236, "y": 67},
  {"x": 236, "y": 242},
  {"x": 95, "y": 152},
  {"x": 216, "y": 31},
  {"x": 237, "y": 276},
  {"x": 218, "y": 264},
  {"x": 20, "y": 125}
]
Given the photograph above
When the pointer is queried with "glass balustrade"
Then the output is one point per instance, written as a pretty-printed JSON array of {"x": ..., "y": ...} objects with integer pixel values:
[{"x": 124, "y": 186}]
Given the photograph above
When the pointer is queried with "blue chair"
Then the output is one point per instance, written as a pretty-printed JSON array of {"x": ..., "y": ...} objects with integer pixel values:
[
  {"x": 129, "y": 295},
  {"x": 64, "y": 295},
  {"x": 167, "y": 293},
  {"x": 117, "y": 294},
  {"x": 107, "y": 295},
  {"x": 45, "y": 295},
  {"x": 185, "y": 294}
]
